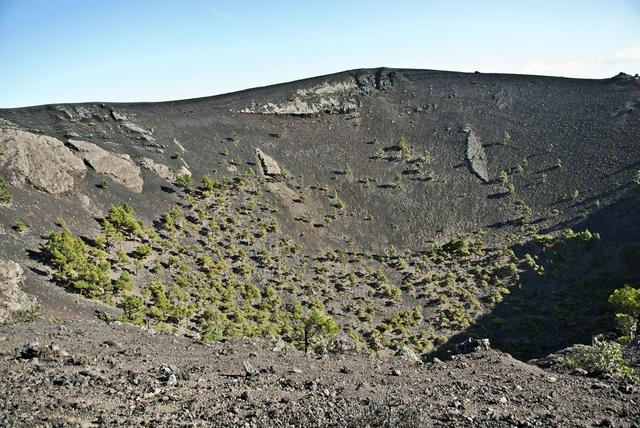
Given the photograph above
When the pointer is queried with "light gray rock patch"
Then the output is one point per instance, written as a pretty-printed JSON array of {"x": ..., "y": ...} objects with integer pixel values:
[
  {"x": 39, "y": 160},
  {"x": 120, "y": 168},
  {"x": 476, "y": 155},
  {"x": 268, "y": 164},
  {"x": 12, "y": 298},
  {"x": 162, "y": 170}
]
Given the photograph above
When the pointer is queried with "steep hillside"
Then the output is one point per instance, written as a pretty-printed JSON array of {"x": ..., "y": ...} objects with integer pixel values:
[{"x": 376, "y": 211}]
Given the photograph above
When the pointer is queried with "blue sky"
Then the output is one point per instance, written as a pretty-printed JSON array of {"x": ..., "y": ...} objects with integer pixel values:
[{"x": 57, "y": 51}]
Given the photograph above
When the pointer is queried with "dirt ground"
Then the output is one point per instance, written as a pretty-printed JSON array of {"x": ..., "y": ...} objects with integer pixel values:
[{"x": 83, "y": 373}]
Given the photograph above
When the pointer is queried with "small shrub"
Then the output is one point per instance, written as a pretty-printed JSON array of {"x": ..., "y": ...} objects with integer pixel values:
[
  {"x": 28, "y": 314},
  {"x": 603, "y": 357},
  {"x": 209, "y": 184},
  {"x": 185, "y": 181},
  {"x": 627, "y": 301},
  {"x": 142, "y": 251},
  {"x": 404, "y": 149},
  {"x": 627, "y": 326},
  {"x": 123, "y": 283},
  {"x": 5, "y": 195},
  {"x": 120, "y": 220},
  {"x": 506, "y": 137},
  {"x": 20, "y": 226}
]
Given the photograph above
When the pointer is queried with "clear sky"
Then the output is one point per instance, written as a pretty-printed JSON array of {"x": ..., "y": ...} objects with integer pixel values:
[{"x": 54, "y": 51}]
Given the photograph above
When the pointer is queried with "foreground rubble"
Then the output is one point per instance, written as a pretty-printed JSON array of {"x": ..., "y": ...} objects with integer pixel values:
[{"x": 83, "y": 373}]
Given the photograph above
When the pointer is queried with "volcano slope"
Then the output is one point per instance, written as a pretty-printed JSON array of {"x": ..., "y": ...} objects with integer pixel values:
[{"x": 353, "y": 224}]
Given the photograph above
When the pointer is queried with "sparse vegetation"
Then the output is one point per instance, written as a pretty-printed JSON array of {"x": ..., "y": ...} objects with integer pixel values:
[
  {"x": 603, "y": 357},
  {"x": 627, "y": 301},
  {"x": 29, "y": 314},
  {"x": 236, "y": 281},
  {"x": 506, "y": 138},
  {"x": 20, "y": 226},
  {"x": 185, "y": 181},
  {"x": 5, "y": 194}
]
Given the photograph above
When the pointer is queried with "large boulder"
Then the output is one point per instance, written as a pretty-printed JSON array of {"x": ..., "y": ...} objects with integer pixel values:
[
  {"x": 268, "y": 164},
  {"x": 120, "y": 168},
  {"x": 39, "y": 160},
  {"x": 469, "y": 346},
  {"x": 342, "y": 344},
  {"x": 12, "y": 298},
  {"x": 476, "y": 155}
]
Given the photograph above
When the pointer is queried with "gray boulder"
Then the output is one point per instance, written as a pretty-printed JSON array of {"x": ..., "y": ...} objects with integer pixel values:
[
  {"x": 120, "y": 168},
  {"x": 342, "y": 344},
  {"x": 39, "y": 160},
  {"x": 476, "y": 155},
  {"x": 407, "y": 353},
  {"x": 269, "y": 166}
]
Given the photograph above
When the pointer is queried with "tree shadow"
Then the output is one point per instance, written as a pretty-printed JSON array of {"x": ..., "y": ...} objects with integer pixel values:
[
  {"x": 497, "y": 195},
  {"x": 568, "y": 303}
]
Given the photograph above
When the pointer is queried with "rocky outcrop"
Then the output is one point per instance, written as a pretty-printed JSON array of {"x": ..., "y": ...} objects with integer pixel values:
[
  {"x": 476, "y": 155},
  {"x": 12, "y": 298},
  {"x": 162, "y": 170},
  {"x": 39, "y": 160},
  {"x": 82, "y": 113},
  {"x": 381, "y": 80},
  {"x": 269, "y": 166},
  {"x": 302, "y": 107},
  {"x": 132, "y": 129},
  {"x": 120, "y": 168},
  {"x": 117, "y": 116},
  {"x": 330, "y": 97},
  {"x": 327, "y": 88}
]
